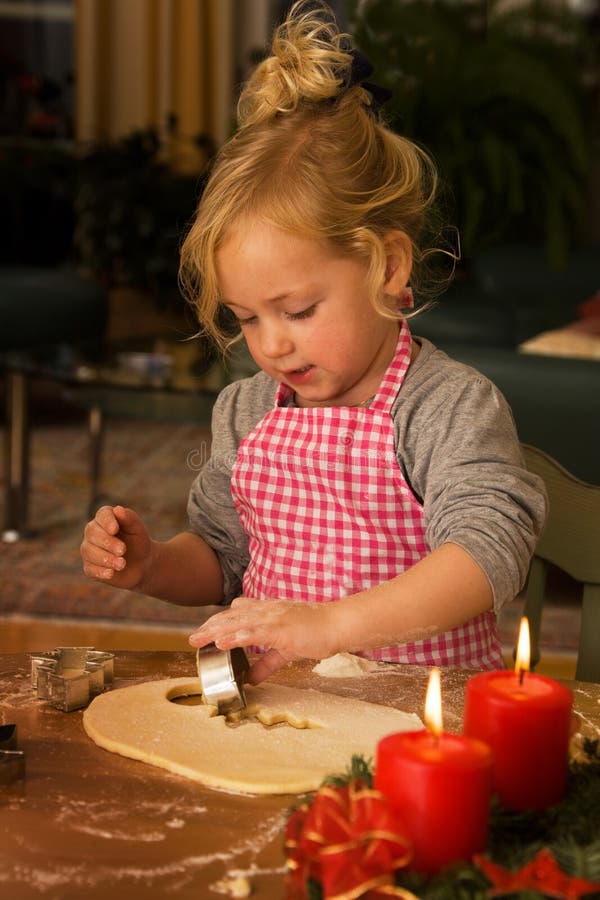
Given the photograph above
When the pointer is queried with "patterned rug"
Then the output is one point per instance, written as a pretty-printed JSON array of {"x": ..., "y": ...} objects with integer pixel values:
[
  {"x": 148, "y": 466},
  {"x": 145, "y": 466}
]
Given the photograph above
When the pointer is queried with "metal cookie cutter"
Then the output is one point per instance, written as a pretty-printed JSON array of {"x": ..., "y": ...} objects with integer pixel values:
[
  {"x": 12, "y": 760},
  {"x": 221, "y": 674},
  {"x": 69, "y": 677}
]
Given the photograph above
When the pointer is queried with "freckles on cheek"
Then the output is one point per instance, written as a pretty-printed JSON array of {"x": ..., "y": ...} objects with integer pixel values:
[{"x": 253, "y": 349}]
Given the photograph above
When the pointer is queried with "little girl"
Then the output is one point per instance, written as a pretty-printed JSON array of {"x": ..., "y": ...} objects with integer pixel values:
[{"x": 365, "y": 492}]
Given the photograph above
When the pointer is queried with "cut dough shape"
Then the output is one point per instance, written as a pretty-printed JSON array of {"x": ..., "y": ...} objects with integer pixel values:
[
  {"x": 140, "y": 722},
  {"x": 344, "y": 665}
]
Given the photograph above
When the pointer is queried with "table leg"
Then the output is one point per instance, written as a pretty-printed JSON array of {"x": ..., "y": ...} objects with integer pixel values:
[
  {"x": 96, "y": 430},
  {"x": 16, "y": 457}
]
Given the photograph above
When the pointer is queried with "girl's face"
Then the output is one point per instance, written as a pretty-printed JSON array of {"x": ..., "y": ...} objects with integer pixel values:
[{"x": 305, "y": 314}]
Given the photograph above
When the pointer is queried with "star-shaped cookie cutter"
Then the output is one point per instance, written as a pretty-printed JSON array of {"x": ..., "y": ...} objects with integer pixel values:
[{"x": 69, "y": 677}]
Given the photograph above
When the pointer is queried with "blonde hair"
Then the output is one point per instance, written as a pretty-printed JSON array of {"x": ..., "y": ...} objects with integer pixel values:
[{"x": 313, "y": 158}]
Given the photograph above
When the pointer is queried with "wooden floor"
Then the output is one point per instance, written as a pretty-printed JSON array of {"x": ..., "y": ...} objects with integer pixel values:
[{"x": 20, "y": 634}]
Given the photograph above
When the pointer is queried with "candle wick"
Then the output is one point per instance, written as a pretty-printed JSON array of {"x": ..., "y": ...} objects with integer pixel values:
[{"x": 521, "y": 675}]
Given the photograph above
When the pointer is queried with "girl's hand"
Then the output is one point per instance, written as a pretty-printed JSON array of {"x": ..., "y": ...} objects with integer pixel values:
[
  {"x": 291, "y": 630},
  {"x": 116, "y": 547}
]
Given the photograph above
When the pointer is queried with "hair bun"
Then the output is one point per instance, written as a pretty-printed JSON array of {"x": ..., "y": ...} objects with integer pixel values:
[{"x": 310, "y": 61}]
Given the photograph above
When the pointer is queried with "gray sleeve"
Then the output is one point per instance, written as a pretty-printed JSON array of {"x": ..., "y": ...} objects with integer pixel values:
[
  {"x": 458, "y": 445},
  {"x": 211, "y": 510}
]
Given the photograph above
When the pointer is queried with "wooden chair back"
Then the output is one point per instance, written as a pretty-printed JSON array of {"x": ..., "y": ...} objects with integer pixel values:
[{"x": 570, "y": 541}]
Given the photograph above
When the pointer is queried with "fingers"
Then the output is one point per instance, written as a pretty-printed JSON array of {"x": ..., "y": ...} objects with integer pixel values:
[
  {"x": 266, "y": 665},
  {"x": 97, "y": 563},
  {"x": 118, "y": 520},
  {"x": 226, "y": 629},
  {"x": 128, "y": 520},
  {"x": 290, "y": 629},
  {"x": 102, "y": 550},
  {"x": 231, "y": 628},
  {"x": 281, "y": 624}
]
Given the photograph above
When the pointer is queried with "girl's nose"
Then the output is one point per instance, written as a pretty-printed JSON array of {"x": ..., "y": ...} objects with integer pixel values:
[{"x": 275, "y": 341}]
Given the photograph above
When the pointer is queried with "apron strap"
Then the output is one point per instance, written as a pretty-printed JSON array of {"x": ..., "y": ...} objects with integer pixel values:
[{"x": 396, "y": 371}]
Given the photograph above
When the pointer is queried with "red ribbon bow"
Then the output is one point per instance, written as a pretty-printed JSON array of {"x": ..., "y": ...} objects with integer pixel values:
[
  {"x": 347, "y": 841},
  {"x": 542, "y": 873}
]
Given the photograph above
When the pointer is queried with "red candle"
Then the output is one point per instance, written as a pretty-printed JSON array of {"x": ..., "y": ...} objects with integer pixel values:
[
  {"x": 439, "y": 786},
  {"x": 526, "y": 720}
]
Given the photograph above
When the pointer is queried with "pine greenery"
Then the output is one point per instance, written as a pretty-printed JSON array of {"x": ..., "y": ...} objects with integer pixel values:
[
  {"x": 499, "y": 95},
  {"x": 570, "y": 830},
  {"x": 360, "y": 769}
]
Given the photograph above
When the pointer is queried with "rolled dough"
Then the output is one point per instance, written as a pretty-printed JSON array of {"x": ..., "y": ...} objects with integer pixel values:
[{"x": 290, "y": 740}]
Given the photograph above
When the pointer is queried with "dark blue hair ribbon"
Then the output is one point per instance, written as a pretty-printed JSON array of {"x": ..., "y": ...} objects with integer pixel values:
[{"x": 359, "y": 72}]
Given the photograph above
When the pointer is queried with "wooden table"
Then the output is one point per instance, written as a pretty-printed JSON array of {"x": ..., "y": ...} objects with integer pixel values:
[
  {"x": 88, "y": 823},
  {"x": 102, "y": 387}
]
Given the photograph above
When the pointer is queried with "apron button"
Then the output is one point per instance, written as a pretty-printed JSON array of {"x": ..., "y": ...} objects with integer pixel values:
[{"x": 346, "y": 438}]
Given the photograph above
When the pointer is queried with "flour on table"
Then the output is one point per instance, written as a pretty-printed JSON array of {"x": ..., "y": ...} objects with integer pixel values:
[
  {"x": 238, "y": 886},
  {"x": 288, "y": 742},
  {"x": 344, "y": 665}
]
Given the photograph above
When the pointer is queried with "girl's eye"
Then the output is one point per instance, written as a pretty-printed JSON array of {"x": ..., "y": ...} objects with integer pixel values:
[
  {"x": 303, "y": 314},
  {"x": 294, "y": 317}
]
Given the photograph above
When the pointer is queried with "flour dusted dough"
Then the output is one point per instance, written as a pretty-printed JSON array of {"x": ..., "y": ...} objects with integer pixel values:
[{"x": 194, "y": 741}]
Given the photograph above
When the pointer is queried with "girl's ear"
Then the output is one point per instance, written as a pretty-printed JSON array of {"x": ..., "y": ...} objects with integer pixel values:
[{"x": 398, "y": 250}]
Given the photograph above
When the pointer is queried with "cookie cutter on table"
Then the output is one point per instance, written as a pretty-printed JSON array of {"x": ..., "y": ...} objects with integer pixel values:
[
  {"x": 12, "y": 760},
  {"x": 69, "y": 677},
  {"x": 222, "y": 674}
]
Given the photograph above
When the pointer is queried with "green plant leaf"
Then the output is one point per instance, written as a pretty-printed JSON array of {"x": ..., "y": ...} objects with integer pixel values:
[{"x": 500, "y": 97}]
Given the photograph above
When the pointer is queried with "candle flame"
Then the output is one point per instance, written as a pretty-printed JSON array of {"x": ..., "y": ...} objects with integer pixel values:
[
  {"x": 523, "y": 657},
  {"x": 433, "y": 703}
]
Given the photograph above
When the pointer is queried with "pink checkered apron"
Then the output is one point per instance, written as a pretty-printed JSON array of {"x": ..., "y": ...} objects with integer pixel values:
[{"x": 328, "y": 513}]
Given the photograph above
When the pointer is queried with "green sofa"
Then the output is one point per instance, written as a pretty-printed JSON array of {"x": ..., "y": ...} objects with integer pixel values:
[
  {"x": 39, "y": 308},
  {"x": 45, "y": 306},
  {"x": 509, "y": 296}
]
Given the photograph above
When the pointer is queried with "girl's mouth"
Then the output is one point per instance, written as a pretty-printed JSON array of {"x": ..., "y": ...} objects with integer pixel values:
[{"x": 299, "y": 376}]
